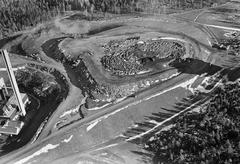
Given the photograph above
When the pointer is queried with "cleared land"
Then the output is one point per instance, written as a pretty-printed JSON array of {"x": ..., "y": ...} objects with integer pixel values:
[{"x": 127, "y": 79}]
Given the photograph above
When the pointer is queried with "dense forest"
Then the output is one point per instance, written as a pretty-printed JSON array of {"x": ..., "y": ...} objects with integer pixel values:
[
  {"x": 16, "y": 15},
  {"x": 209, "y": 136}
]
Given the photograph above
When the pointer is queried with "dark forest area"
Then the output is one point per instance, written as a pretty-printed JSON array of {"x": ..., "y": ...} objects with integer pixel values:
[{"x": 17, "y": 15}]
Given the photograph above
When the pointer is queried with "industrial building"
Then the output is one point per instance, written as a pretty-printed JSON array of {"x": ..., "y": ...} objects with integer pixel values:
[
  {"x": 12, "y": 106},
  {"x": 9, "y": 113}
]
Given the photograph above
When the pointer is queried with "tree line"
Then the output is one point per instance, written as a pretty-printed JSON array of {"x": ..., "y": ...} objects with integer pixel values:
[
  {"x": 211, "y": 135},
  {"x": 16, "y": 15}
]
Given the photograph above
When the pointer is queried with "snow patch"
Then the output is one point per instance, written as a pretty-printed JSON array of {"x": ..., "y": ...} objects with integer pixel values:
[
  {"x": 166, "y": 128},
  {"x": 140, "y": 42},
  {"x": 202, "y": 89},
  {"x": 96, "y": 100},
  {"x": 109, "y": 146},
  {"x": 97, "y": 108},
  {"x": 120, "y": 99},
  {"x": 188, "y": 84},
  {"x": 135, "y": 125},
  {"x": 92, "y": 124},
  {"x": 207, "y": 51},
  {"x": 68, "y": 139},
  {"x": 44, "y": 149},
  {"x": 207, "y": 81},
  {"x": 173, "y": 75},
  {"x": 142, "y": 72},
  {"x": 153, "y": 122},
  {"x": 172, "y": 38},
  {"x": 122, "y": 136},
  {"x": 73, "y": 110}
]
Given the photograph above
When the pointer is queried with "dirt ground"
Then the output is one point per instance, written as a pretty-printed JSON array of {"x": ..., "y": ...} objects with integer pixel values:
[{"x": 115, "y": 134}]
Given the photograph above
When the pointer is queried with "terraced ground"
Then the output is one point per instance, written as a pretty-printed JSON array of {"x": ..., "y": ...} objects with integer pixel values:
[{"x": 123, "y": 80}]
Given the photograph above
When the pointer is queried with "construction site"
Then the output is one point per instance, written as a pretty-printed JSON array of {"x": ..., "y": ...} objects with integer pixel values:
[{"x": 123, "y": 88}]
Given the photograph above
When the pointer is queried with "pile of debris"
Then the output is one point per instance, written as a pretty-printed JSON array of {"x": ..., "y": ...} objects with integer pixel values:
[
  {"x": 231, "y": 45},
  {"x": 130, "y": 56}
]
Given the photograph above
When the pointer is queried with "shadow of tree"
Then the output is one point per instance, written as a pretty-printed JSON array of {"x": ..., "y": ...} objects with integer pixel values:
[
  {"x": 233, "y": 74},
  {"x": 157, "y": 121},
  {"x": 163, "y": 114},
  {"x": 195, "y": 66},
  {"x": 154, "y": 122}
]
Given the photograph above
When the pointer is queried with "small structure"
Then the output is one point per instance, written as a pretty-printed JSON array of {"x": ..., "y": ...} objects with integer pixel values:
[
  {"x": 11, "y": 127},
  {"x": 11, "y": 107},
  {"x": 9, "y": 115}
]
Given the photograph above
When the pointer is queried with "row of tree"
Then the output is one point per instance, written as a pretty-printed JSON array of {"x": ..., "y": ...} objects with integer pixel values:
[
  {"x": 119, "y": 6},
  {"x": 18, "y": 14}
]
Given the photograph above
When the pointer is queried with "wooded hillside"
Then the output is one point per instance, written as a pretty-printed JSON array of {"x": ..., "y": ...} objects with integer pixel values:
[{"x": 16, "y": 15}]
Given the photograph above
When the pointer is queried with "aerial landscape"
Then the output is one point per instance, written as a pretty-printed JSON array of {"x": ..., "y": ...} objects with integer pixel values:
[{"x": 119, "y": 81}]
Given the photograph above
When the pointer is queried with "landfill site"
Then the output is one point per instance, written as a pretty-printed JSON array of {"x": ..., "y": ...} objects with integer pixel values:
[{"x": 130, "y": 89}]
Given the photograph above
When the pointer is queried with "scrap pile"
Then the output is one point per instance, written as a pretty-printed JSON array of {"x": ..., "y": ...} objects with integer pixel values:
[
  {"x": 211, "y": 135},
  {"x": 232, "y": 45},
  {"x": 130, "y": 56}
]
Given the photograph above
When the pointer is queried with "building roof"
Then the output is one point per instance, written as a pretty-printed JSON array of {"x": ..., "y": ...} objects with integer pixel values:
[
  {"x": 11, "y": 127},
  {"x": 8, "y": 130},
  {"x": 13, "y": 100}
]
